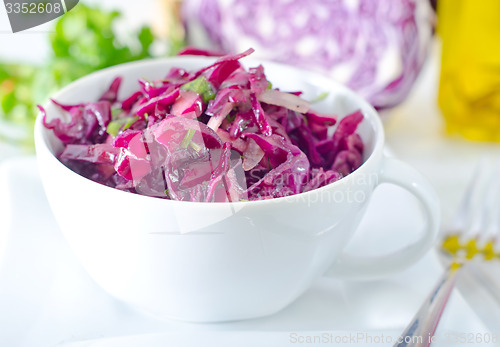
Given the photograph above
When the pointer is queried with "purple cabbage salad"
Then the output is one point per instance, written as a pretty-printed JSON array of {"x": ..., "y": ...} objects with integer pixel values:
[{"x": 219, "y": 134}]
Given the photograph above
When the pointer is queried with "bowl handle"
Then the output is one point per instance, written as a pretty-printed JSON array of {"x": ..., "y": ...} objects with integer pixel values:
[{"x": 401, "y": 174}]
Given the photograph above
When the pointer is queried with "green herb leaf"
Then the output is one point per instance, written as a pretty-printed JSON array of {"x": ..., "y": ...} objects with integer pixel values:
[
  {"x": 320, "y": 97},
  {"x": 195, "y": 146},
  {"x": 120, "y": 125},
  {"x": 115, "y": 112},
  {"x": 231, "y": 117},
  {"x": 187, "y": 138},
  {"x": 201, "y": 86}
]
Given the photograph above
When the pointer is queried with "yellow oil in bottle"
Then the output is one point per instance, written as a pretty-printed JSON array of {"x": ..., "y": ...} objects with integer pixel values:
[{"x": 469, "y": 90}]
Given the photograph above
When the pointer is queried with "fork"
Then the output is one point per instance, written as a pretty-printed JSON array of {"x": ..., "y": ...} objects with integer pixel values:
[{"x": 471, "y": 236}]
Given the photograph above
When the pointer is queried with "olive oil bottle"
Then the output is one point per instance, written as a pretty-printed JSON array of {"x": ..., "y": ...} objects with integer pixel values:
[{"x": 469, "y": 90}]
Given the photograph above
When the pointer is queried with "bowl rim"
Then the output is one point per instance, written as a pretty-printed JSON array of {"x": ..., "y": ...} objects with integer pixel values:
[{"x": 370, "y": 114}]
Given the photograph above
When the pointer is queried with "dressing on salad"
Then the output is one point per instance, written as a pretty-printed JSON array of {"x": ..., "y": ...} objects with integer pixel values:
[{"x": 219, "y": 134}]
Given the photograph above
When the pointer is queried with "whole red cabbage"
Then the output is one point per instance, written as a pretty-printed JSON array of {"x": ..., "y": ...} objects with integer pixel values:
[{"x": 376, "y": 47}]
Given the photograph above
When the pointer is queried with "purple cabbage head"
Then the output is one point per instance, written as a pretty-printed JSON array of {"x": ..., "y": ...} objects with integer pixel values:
[{"x": 376, "y": 47}]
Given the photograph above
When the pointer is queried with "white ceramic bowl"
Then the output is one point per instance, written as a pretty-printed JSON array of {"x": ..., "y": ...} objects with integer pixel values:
[{"x": 210, "y": 262}]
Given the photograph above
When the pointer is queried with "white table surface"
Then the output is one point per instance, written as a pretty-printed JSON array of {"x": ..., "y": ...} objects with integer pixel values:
[{"x": 414, "y": 132}]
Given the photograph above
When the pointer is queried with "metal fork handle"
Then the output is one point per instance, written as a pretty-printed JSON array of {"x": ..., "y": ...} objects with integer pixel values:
[{"x": 421, "y": 329}]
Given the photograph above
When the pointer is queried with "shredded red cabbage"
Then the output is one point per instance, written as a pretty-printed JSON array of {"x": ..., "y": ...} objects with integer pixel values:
[{"x": 219, "y": 134}]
